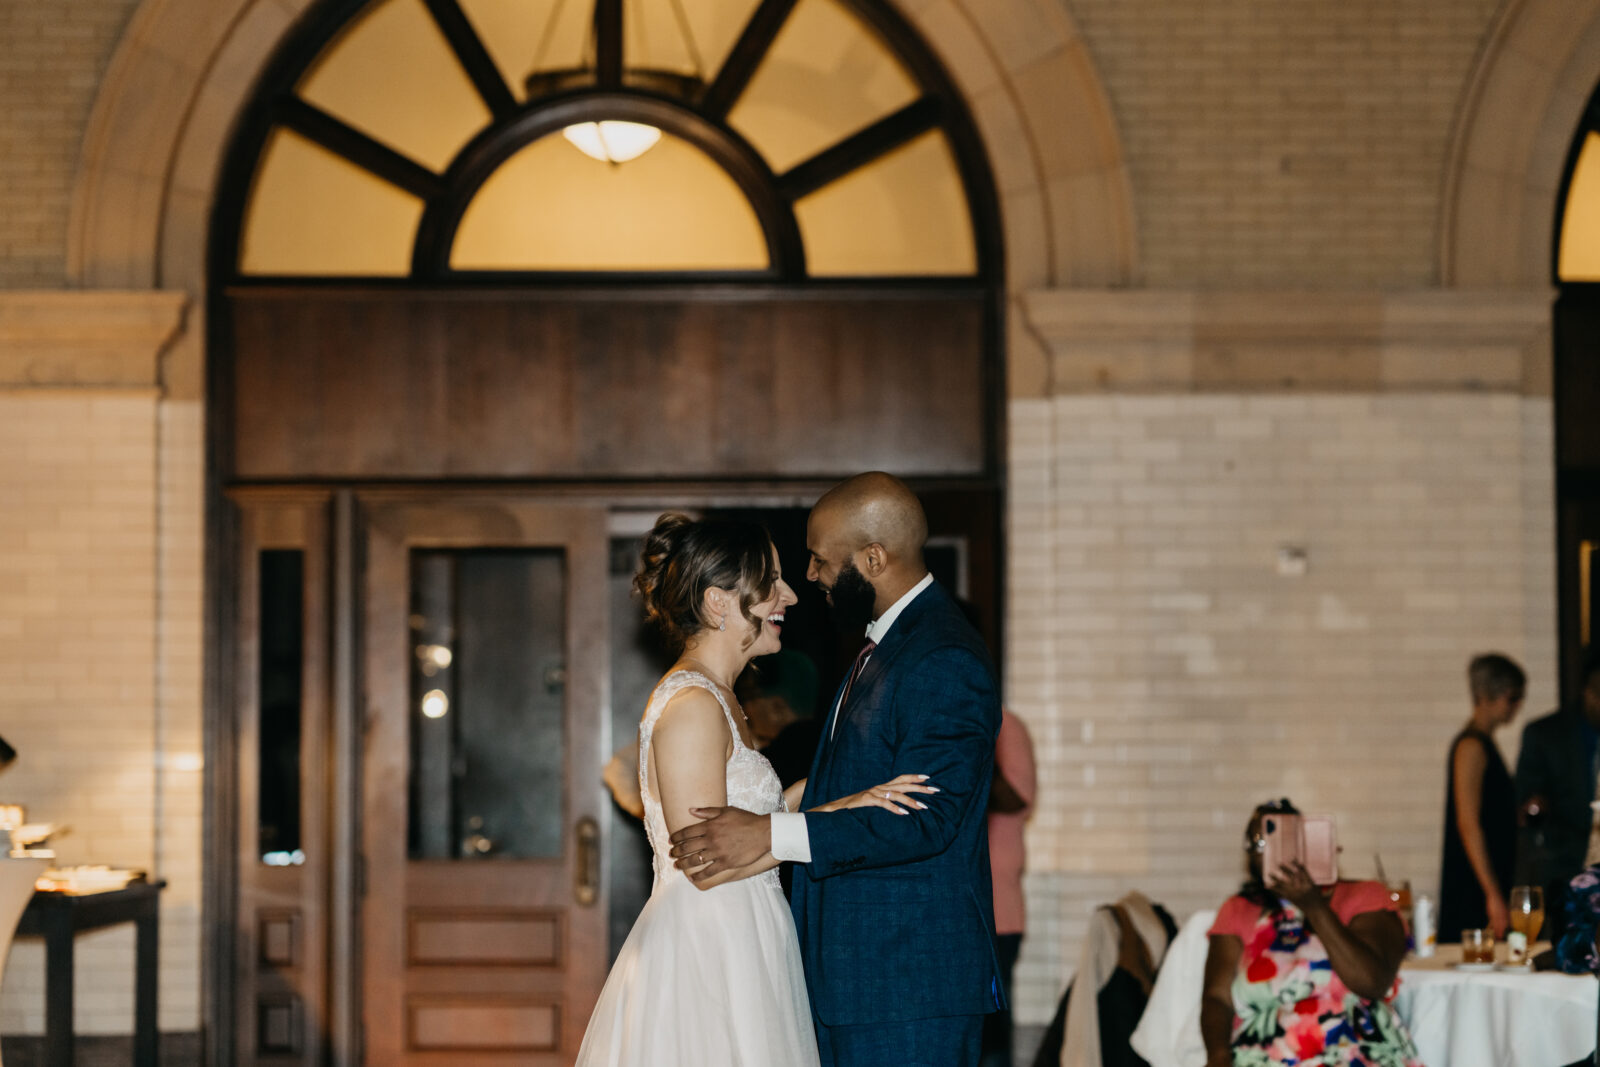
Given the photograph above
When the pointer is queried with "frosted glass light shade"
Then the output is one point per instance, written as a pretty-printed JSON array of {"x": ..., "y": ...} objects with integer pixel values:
[{"x": 612, "y": 141}]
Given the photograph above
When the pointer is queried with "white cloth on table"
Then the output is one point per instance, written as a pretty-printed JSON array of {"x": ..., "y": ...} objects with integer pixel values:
[
  {"x": 1460, "y": 1019},
  {"x": 1168, "y": 1034},
  {"x": 1456, "y": 1018}
]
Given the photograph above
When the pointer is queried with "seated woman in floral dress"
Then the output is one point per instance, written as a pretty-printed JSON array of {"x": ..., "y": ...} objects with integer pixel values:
[{"x": 1301, "y": 974}]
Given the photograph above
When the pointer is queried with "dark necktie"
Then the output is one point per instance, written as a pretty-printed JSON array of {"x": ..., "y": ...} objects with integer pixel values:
[{"x": 855, "y": 672}]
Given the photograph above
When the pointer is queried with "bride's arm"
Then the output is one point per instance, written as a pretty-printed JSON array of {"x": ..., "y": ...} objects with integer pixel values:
[
  {"x": 793, "y": 795},
  {"x": 689, "y": 748}
]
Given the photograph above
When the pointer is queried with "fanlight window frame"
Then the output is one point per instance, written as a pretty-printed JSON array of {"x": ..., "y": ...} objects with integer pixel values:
[{"x": 702, "y": 120}]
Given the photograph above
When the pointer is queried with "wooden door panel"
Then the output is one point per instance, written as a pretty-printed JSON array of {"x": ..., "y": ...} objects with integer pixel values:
[{"x": 471, "y": 959}]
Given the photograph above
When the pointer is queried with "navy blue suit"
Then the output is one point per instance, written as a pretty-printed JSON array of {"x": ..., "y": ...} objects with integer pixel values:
[{"x": 896, "y": 912}]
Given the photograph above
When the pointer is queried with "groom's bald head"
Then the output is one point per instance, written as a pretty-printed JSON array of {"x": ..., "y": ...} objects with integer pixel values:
[
  {"x": 865, "y": 537},
  {"x": 877, "y": 508}
]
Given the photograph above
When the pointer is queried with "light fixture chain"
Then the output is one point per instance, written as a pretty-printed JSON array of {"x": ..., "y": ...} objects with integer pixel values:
[
  {"x": 688, "y": 39},
  {"x": 644, "y": 35},
  {"x": 548, "y": 35}
]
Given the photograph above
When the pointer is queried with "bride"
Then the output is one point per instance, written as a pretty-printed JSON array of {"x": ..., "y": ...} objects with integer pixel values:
[{"x": 711, "y": 972}]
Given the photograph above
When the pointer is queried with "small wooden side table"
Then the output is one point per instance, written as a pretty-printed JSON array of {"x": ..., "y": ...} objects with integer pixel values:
[{"x": 58, "y": 918}]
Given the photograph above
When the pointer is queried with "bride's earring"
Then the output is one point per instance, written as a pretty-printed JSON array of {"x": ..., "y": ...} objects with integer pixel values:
[{"x": 723, "y": 625}]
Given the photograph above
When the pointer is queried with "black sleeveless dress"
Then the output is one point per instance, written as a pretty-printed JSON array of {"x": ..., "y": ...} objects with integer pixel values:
[{"x": 1461, "y": 902}]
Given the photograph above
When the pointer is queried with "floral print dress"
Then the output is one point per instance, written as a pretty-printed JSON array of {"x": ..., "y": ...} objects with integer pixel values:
[{"x": 1290, "y": 1008}]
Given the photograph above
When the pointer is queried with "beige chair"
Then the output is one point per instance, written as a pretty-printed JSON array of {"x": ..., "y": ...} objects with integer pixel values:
[{"x": 16, "y": 889}]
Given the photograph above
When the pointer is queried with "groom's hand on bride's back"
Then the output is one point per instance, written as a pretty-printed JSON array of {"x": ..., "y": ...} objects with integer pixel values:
[{"x": 727, "y": 839}]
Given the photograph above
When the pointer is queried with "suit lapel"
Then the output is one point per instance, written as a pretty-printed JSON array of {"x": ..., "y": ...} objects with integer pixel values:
[{"x": 879, "y": 664}]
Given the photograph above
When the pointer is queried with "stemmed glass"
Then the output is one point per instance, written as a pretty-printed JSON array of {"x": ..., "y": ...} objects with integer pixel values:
[{"x": 1527, "y": 919}]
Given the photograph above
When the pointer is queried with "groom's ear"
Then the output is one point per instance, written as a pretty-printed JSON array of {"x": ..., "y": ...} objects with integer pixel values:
[{"x": 876, "y": 561}]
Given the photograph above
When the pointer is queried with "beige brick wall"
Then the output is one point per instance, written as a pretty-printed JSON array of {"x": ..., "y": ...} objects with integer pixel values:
[
  {"x": 100, "y": 702},
  {"x": 1173, "y": 679},
  {"x": 1286, "y": 142},
  {"x": 52, "y": 54}
]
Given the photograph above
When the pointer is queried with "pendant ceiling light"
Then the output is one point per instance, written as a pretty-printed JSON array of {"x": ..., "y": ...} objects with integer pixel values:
[{"x": 613, "y": 140}]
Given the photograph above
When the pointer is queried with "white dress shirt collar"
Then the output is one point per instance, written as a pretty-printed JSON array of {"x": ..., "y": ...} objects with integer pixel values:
[{"x": 879, "y": 628}]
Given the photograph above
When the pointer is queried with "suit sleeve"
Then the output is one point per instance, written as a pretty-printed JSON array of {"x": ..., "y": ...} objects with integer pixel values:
[{"x": 948, "y": 714}]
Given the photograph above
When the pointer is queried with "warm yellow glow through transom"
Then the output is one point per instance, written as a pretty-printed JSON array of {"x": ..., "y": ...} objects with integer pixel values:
[
  {"x": 1580, "y": 223},
  {"x": 827, "y": 76},
  {"x": 313, "y": 212},
  {"x": 552, "y": 208},
  {"x": 903, "y": 214},
  {"x": 392, "y": 75}
]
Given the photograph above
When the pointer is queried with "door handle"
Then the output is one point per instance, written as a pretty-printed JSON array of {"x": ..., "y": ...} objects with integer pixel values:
[{"x": 586, "y": 880}]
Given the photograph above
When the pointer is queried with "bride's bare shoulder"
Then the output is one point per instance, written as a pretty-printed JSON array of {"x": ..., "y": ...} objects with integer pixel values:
[{"x": 691, "y": 708}]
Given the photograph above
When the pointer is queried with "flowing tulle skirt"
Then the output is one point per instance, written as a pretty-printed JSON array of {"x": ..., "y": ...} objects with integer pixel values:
[{"x": 706, "y": 977}]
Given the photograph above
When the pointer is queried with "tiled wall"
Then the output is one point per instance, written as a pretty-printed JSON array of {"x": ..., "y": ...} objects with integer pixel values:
[
  {"x": 1173, "y": 678},
  {"x": 99, "y": 646}
]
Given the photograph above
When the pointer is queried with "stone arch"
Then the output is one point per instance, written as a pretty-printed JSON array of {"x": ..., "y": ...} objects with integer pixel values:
[
  {"x": 185, "y": 69},
  {"x": 1538, "y": 67}
]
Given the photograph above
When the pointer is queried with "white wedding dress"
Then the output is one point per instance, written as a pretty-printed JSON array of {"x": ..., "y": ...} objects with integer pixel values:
[{"x": 707, "y": 978}]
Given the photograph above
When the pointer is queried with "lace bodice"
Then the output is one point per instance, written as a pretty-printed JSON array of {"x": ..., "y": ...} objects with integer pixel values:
[{"x": 751, "y": 782}]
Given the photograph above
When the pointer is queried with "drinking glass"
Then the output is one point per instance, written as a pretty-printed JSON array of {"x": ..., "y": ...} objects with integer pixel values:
[
  {"x": 1477, "y": 946},
  {"x": 1527, "y": 919}
]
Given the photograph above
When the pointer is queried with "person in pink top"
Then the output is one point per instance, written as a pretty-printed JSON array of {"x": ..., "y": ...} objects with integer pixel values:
[
  {"x": 1298, "y": 973},
  {"x": 1010, "y": 803}
]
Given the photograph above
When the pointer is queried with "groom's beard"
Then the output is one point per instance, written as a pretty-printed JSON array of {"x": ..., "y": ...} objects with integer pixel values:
[{"x": 852, "y": 598}]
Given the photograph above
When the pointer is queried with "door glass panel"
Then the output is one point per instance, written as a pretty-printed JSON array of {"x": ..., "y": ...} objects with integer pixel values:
[
  {"x": 282, "y": 598},
  {"x": 488, "y": 692}
]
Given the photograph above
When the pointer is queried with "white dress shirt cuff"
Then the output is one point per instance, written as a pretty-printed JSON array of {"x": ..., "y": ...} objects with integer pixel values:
[{"x": 790, "y": 840}]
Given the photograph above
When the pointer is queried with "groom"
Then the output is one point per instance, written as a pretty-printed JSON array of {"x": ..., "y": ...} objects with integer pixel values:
[{"x": 894, "y": 912}]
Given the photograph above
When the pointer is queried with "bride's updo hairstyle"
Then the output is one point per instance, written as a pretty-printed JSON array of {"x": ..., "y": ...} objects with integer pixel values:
[{"x": 682, "y": 558}]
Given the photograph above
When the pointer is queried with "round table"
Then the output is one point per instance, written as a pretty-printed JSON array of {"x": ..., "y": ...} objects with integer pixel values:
[
  {"x": 1456, "y": 1018},
  {"x": 1496, "y": 1018}
]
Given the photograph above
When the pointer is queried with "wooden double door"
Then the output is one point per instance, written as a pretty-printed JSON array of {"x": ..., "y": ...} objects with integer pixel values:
[
  {"x": 423, "y": 689},
  {"x": 421, "y": 695}
]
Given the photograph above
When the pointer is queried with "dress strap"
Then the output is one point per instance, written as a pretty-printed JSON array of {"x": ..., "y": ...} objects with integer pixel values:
[{"x": 677, "y": 682}]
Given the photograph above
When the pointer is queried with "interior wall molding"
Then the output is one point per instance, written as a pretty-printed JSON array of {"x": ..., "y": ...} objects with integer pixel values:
[
  {"x": 86, "y": 338},
  {"x": 1493, "y": 340}
]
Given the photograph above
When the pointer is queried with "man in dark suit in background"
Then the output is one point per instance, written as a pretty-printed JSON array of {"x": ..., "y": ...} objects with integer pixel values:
[
  {"x": 779, "y": 697},
  {"x": 895, "y": 913},
  {"x": 1555, "y": 784}
]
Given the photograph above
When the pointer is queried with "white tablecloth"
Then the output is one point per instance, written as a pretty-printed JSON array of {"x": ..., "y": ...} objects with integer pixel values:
[
  {"x": 1497, "y": 1019},
  {"x": 1457, "y": 1019}
]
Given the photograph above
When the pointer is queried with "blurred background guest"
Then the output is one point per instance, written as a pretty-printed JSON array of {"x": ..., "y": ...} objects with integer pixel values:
[
  {"x": 1480, "y": 806},
  {"x": 779, "y": 696},
  {"x": 1011, "y": 795},
  {"x": 1298, "y": 973},
  {"x": 1556, "y": 780}
]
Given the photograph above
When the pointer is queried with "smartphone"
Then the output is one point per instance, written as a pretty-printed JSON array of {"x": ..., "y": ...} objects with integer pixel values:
[{"x": 1309, "y": 839}]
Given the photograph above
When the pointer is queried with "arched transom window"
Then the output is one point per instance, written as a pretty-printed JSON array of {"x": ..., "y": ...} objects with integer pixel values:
[
  {"x": 1578, "y": 229},
  {"x": 770, "y": 139}
]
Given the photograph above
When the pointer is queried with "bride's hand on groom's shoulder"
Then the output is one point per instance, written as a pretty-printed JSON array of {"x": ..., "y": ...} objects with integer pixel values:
[{"x": 898, "y": 796}]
